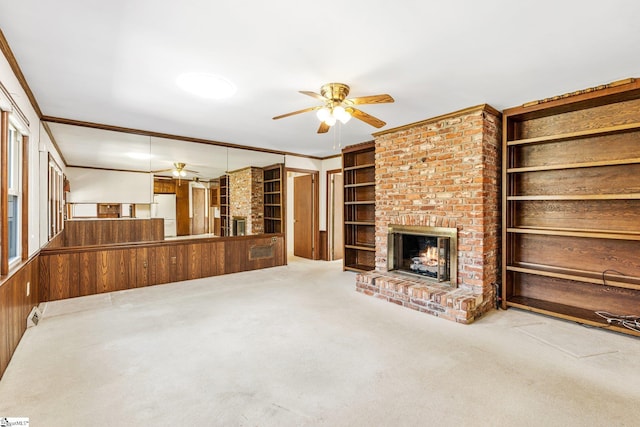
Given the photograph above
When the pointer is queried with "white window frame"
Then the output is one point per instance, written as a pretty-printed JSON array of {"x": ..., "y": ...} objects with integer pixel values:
[{"x": 14, "y": 162}]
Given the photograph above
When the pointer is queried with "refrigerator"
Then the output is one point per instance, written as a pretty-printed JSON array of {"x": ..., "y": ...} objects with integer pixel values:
[{"x": 164, "y": 206}]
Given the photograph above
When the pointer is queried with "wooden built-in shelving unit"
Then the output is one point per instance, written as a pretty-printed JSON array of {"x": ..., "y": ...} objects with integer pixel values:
[
  {"x": 225, "y": 213},
  {"x": 273, "y": 198},
  {"x": 571, "y": 205},
  {"x": 358, "y": 170}
]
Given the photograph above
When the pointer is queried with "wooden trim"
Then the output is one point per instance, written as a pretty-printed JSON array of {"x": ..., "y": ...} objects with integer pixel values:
[
  {"x": 316, "y": 205},
  {"x": 327, "y": 211},
  {"x": 93, "y": 125},
  {"x": 332, "y": 156},
  {"x": 153, "y": 244},
  {"x": 358, "y": 147},
  {"x": 25, "y": 199},
  {"x": 478, "y": 108},
  {"x": 13, "y": 63},
  {"x": 112, "y": 170},
  {"x": 600, "y": 95},
  {"x": 4, "y": 193}
]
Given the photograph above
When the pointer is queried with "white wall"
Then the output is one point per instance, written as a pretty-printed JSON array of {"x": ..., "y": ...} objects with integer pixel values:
[
  {"x": 38, "y": 144},
  {"x": 102, "y": 186},
  {"x": 327, "y": 165}
]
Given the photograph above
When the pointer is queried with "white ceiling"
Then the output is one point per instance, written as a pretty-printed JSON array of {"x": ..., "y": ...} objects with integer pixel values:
[{"x": 115, "y": 62}]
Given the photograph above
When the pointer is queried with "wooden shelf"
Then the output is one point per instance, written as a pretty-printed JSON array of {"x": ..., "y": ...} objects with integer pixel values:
[
  {"x": 359, "y": 203},
  {"x": 368, "y": 165},
  {"x": 567, "y": 312},
  {"x": 363, "y": 202},
  {"x": 591, "y": 233},
  {"x": 360, "y": 268},
  {"x": 361, "y": 184},
  {"x": 629, "y": 196},
  {"x": 272, "y": 203},
  {"x": 575, "y": 165},
  {"x": 615, "y": 280},
  {"x": 609, "y": 130},
  {"x": 361, "y": 247},
  {"x": 560, "y": 243},
  {"x": 225, "y": 218}
]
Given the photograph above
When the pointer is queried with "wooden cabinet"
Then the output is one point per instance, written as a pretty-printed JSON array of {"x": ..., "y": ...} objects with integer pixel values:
[
  {"x": 273, "y": 198},
  {"x": 164, "y": 186},
  {"x": 225, "y": 218},
  {"x": 571, "y": 205},
  {"x": 111, "y": 210},
  {"x": 358, "y": 169}
]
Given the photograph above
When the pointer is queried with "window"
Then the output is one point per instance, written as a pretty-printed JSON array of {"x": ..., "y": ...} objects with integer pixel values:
[
  {"x": 14, "y": 193},
  {"x": 14, "y": 196},
  {"x": 56, "y": 198}
]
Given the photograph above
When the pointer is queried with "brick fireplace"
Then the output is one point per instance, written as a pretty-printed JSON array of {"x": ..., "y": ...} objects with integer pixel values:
[{"x": 445, "y": 173}]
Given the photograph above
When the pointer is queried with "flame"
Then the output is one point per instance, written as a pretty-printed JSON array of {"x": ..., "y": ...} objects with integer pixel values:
[{"x": 429, "y": 256}]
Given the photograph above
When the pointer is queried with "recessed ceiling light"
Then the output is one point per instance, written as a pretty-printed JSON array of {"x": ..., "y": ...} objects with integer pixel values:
[{"x": 206, "y": 85}]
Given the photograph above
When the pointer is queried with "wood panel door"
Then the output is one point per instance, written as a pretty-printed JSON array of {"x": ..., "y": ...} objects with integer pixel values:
[
  {"x": 198, "y": 222},
  {"x": 182, "y": 208},
  {"x": 303, "y": 216}
]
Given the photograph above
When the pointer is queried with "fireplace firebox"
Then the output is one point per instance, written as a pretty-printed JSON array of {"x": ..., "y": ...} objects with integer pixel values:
[{"x": 429, "y": 252}]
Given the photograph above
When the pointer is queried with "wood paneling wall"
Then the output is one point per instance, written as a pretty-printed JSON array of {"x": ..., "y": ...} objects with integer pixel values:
[
  {"x": 183, "y": 222},
  {"x": 76, "y": 271},
  {"x": 106, "y": 232},
  {"x": 15, "y": 306}
]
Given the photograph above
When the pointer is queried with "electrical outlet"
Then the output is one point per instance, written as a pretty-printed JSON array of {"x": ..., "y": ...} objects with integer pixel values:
[{"x": 28, "y": 288}]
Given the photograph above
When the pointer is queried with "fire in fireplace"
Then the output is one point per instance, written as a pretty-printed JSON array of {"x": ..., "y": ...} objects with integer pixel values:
[{"x": 429, "y": 252}]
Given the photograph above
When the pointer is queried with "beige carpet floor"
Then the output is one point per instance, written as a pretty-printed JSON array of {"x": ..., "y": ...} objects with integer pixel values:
[{"x": 297, "y": 346}]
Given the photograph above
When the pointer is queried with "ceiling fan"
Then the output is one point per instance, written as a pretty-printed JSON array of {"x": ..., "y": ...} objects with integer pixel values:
[
  {"x": 178, "y": 170},
  {"x": 337, "y": 107}
]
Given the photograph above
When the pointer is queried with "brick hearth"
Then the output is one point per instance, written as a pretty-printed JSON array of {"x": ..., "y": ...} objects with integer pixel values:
[
  {"x": 455, "y": 304},
  {"x": 441, "y": 172}
]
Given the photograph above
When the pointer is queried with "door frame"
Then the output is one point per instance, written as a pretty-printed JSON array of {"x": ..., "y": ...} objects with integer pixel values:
[
  {"x": 328, "y": 213},
  {"x": 316, "y": 208}
]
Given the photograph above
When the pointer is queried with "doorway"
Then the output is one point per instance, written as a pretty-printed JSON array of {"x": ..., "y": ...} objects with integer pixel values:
[
  {"x": 198, "y": 220},
  {"x": 335, "y": 215},
  {"x": 303, "y": 213}
]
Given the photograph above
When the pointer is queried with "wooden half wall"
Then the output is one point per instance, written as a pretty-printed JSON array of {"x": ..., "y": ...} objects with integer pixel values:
[{"x": 67, "y": 272}]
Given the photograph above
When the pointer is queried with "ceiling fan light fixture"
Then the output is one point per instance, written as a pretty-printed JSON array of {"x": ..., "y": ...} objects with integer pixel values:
[
  {"x": 330, "y": 121},
  {"x": 341, "y": 114},
  {"x": 323, "y": 114}
]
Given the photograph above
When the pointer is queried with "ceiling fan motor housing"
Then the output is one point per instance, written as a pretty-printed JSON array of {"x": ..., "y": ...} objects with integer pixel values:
[{"x": 336, "y": 92}]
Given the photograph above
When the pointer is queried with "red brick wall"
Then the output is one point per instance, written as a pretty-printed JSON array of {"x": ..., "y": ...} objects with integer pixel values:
[
  {"x": 445, "y": 172},
  {"x": 246, "y": 194}
]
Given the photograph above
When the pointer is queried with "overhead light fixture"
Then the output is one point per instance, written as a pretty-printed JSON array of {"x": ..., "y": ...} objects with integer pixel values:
[
  {"x": 331, "y": 115},
  {"x": 206, "y": 85}
]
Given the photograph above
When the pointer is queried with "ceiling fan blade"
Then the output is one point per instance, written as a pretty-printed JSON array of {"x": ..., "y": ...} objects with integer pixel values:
[
  {"x": 162, "y": 170},
  {"x": 324, "y": 128},
  {"x": 373, "y": 99},
  {"x": 314, "y": 95},
  {"x": 297, "y": 112},
  {"x": 367, "y": 118}
]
